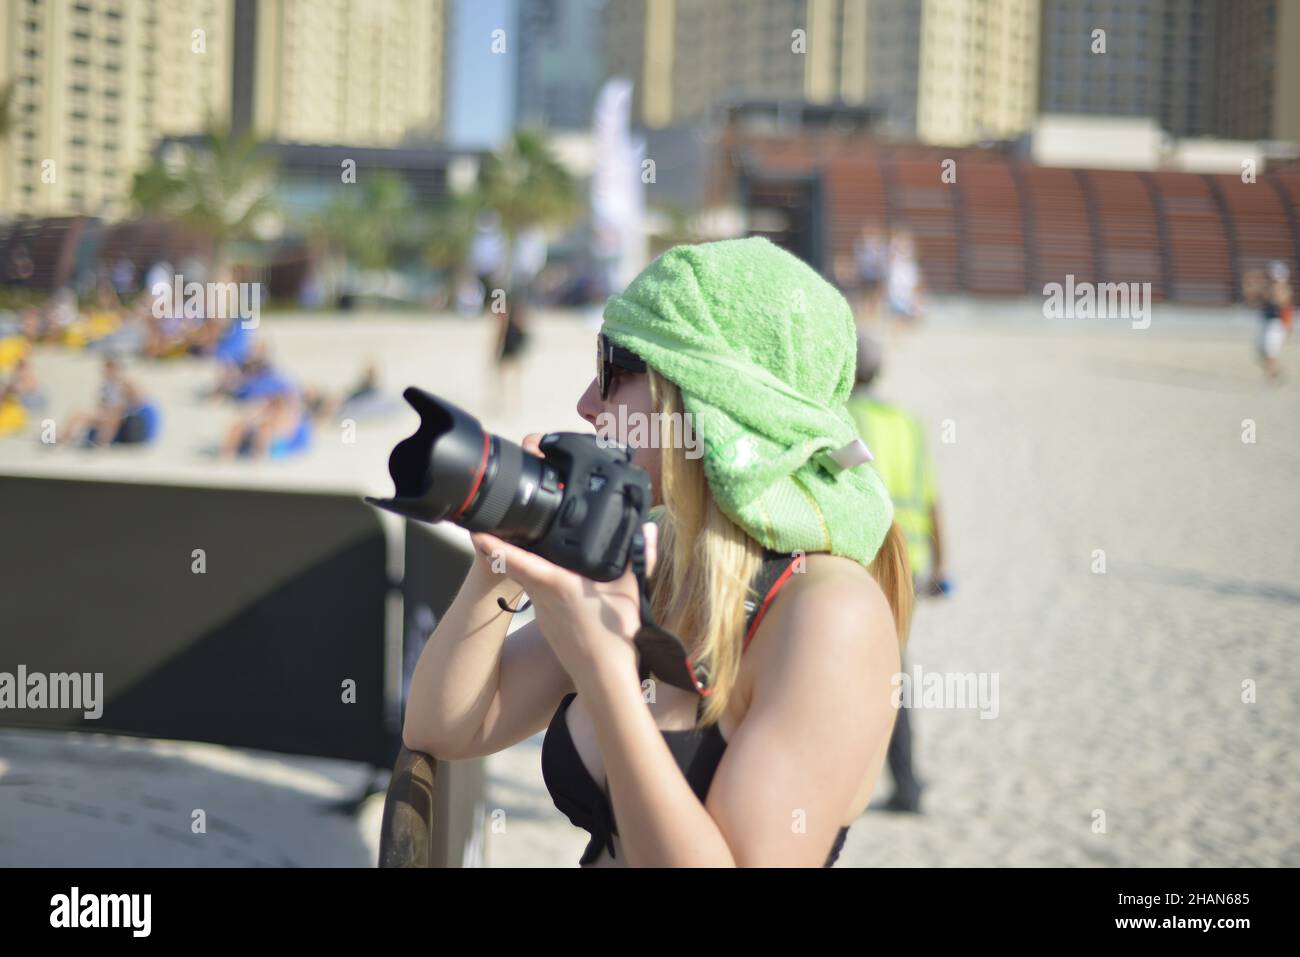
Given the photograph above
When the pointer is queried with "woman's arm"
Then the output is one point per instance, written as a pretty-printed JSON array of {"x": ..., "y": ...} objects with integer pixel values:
[
  {"x": 819, "y": 719},
  {"x": 475, "y": 691}
]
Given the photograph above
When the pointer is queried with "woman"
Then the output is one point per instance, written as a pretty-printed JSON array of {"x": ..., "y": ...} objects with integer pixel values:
[{"x": 784, "y": 753}]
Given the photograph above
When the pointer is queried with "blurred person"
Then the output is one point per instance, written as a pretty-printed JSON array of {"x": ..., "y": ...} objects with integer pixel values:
[
  {"x": 187, "y": 330},
  {"x": 253, "y": 378},
  {"x": 167, "y": 336},
  {"x": 184, "y": 328},
  {"x": 467, "y": 292},
  {"x": 528, "y": 261},
  {"x": 160, "y": 273},
  {"x": 130, "y": 335},
  {"x": 798, "y": 713},
  {"x": 1276, "y": 318},
  {"x": 232, "y": 340},
  {"x": 21, "y": 393},
  {"x": 871, "y": 263},
  {"x": 510, "y": 344},
  {"x": 102, "y": 320},
  {"x": 901, "y": 457},
  {"x": 13, "y": 349},
  {"x": 487, "y": 254},
  {"x": 61, "y": 313},
  {"x": 26, "y": 386},
  {"x": 365, "y": 398},
  {"x": 277, "y": 425},
  {"x": 32, "y": 324},
  {"x": 124, "y": 416},
  {"x": 162, "y": 337},
  {"x": 13, "y": 413},
  {"x": 123, "y": 277},
  {"x": 312, "y": 292},
  {"x": 225, "y": 339},
  {"x": 905, "y": 286}
]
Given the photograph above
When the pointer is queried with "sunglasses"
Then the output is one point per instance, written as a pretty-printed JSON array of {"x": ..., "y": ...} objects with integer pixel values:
[{"x": 610, "y": 361}]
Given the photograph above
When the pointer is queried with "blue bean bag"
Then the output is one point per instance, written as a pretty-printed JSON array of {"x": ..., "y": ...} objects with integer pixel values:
[
  {"x": 139, "y": 426},
  {"x": 151, "y": 418},
  {"x": 281, "y": 448},
  {"x": 299, "y": 441}
]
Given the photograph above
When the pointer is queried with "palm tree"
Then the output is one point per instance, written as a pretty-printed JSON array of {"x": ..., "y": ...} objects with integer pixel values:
[
  {"x": 527, "y": 186},
  {"x": 221, "y": 186},
  {"x": 450, "y": 232},
  {"x": 369, "y": 222},
  {"x": 7, "y": 120},
  {"x": 368, "y": 226}
]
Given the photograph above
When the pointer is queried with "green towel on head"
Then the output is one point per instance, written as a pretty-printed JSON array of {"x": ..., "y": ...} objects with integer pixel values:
[{"x": 763, "y": 350}]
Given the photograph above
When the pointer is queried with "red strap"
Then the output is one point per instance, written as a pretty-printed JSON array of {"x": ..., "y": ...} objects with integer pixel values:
[{"x": 767, "y": 600}]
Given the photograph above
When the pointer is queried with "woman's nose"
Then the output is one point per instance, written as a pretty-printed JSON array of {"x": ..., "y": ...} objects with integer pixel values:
[{"x": 589, "y": 403}]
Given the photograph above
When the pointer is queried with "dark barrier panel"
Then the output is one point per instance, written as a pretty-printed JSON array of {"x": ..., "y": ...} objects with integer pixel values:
[{"x": 252, "y": 648}]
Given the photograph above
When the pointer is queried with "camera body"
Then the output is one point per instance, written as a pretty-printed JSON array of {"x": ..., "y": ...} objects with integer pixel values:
[
  {"x": 605, "y": 500},
  {"x": 579, "y": 506}
]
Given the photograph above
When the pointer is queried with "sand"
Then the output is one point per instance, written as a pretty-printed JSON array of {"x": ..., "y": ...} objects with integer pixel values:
[{"x": 1121, "y": 739}]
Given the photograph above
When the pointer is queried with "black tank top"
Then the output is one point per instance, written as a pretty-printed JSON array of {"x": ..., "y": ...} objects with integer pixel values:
[{"x": 697, "y": 752}]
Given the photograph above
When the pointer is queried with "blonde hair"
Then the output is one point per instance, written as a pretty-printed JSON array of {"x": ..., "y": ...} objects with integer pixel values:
[{"x": 705, "y": 562}]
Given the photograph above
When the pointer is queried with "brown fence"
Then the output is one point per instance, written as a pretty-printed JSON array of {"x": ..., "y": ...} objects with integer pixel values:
[{"x": 1006, "y": 226}]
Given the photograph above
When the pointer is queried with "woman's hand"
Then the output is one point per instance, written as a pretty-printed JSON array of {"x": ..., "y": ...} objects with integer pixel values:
[{"x": 590, "y": 625}]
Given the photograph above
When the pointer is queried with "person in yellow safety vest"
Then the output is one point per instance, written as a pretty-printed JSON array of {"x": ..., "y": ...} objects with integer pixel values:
[
  {"x": 897, "y": 440},
  {"x": 902, "y": 459}
]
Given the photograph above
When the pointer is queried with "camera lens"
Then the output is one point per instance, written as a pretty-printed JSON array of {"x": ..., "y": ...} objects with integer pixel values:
[
  {"x": 452, "y": 470},
  {"x": 519, "y": 494}
]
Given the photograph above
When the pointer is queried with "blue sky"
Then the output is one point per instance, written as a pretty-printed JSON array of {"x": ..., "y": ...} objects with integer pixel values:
[{"x": 482, "y": 82}]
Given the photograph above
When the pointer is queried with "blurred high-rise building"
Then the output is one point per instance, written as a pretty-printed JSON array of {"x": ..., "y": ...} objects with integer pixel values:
[
  {"x": 950, "y": 71},
  {"x": 689, "y": 57},
  {"x": 95, "y": 84},
  {"x": 1223, "y": 68},
  {"x": 892, "y": 68},
  {"x": 1258, "y": 70},
  {"x": 355, "y": 72},
  {"x": 978, "y": 70},
  {"x": 1146, "y": 58},
  {"x": 560, "y": 64}
]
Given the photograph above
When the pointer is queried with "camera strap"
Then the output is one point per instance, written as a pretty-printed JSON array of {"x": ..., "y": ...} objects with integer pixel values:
[{"x": 661, "y": 652}]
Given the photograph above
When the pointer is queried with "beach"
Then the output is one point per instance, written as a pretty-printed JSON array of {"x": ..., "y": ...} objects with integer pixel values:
[{"x": 1122, "y": 528}]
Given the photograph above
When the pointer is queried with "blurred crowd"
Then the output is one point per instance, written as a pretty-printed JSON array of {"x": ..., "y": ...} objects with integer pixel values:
[{"x": 273, "y": 414}]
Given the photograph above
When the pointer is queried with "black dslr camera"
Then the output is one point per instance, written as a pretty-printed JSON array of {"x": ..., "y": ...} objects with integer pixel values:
[{"x": 580, "y": 506}]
